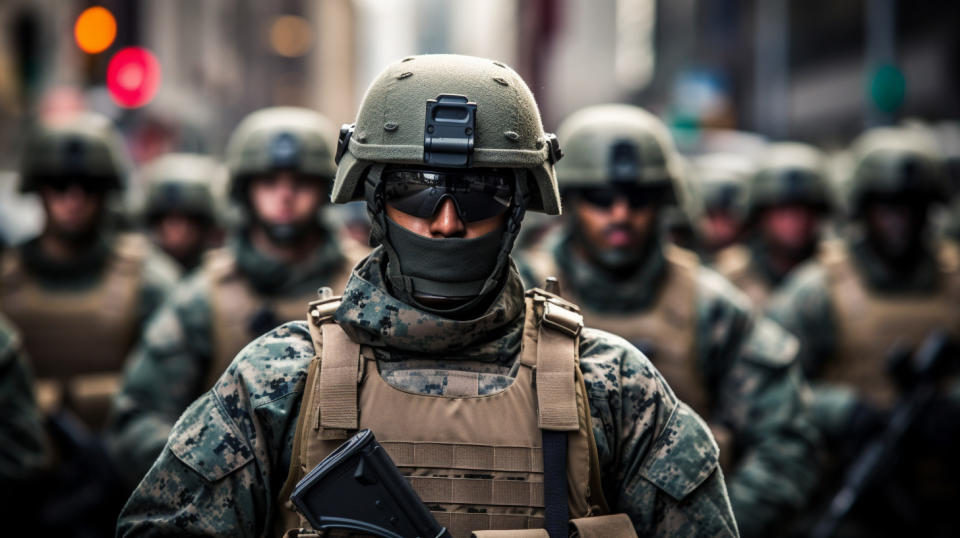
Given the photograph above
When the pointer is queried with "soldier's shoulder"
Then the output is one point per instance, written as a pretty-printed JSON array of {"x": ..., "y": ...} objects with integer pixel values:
[
  {"x": 608, "y": 362},
  {"x": 715, "y": 291},
  {"x": 804, "y": 292},
  {"x": 271, "y": 367}
]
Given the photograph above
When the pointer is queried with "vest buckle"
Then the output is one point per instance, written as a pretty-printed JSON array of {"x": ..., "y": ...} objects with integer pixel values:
[
  {"x": 558, "y": 317},
  {"x": 322, "y": 310}
]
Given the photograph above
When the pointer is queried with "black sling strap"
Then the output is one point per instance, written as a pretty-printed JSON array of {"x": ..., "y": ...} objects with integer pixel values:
[{"x": 557, "y": 511}]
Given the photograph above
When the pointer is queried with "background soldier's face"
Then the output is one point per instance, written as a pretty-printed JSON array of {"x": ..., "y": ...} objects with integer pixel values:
[
  {"x": 179, "y": 235},
  {"x": 895, "y": 229},
  {"x": 285, "y": 198},
  {"x": 71, "y": 209},
  {"x": 720, "y": 228},
  {"x": 617, "y": 227},
  {"x": 789, "y": 226},
  {"x": 445, "y": 223}
]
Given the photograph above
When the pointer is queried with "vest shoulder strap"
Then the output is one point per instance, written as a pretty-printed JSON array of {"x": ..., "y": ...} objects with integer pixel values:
[
  {"x": 558, "y": 323},
  {"x": 219, "y": 264},
  {"x": 733, "y": 261},
  {"x": 339, "y": 367}
]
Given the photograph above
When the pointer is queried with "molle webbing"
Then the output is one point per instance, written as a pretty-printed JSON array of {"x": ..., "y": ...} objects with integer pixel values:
[{"x": 473, "y": 469}]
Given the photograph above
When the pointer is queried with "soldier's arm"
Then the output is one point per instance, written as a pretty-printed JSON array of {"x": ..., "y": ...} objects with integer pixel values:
[
  {"x": 761, "y": 399},
  {"x": 658, "y": 460},
  {"x": 228, "y": 455},
  {"x": 23, "y": 443},
  {"x": 160, "y": 276},
  {"x": 804, "y": 308},
  {"x": 163, "y": 375}
]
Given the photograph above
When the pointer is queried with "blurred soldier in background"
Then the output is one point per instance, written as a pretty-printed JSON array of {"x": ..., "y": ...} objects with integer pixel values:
[
  {"x": 80, "y": 294},
  {"x": 447, "y": 341},
  {"x": 24, "y": 452},
  {"x": 888, "y": 281},
  {"x": 736, "y": 370},
  {"x": 719, "y": 181},
  {"x": 280, "y": 162},
  {"x": 786, "y": 201},
  {"x": 179, "y": 209}
]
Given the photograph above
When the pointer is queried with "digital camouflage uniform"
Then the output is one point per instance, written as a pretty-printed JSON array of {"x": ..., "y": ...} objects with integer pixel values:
[
  {"x": 23, "y": 442},
  {"x": 734, "y": 368},
  {"x": 237, "y": 294},
  {"x": 788, "y": 173},
  {"x": 230, "y": 453}
]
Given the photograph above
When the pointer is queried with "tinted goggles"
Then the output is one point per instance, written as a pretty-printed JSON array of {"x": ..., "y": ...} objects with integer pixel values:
[
  {"x": 605, "y": 197},
  {"x": 477, "y": 194}
]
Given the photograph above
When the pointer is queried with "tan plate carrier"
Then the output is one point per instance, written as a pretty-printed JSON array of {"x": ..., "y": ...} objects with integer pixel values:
[
  {"x": 77, "y": 340},
  {"x": 477, "y": 462}
]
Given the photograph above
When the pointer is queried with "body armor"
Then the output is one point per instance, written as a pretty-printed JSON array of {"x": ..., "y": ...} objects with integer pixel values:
[
  {"x": 869, "y": 323},
  {"x": 443, "y": 444},
  {"x": 734, "y": 263},
  {"x": 97, "y": 326}
]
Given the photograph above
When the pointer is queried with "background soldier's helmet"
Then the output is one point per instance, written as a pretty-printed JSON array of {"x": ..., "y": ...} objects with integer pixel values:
[
  {"x": 618, "y": 144},
  {"x": 280, "y": 138},
  {"x": 788, "y": 173},
  {"x": 85, "y": 147},
  {"x": 895, "y": 164},
  {"x": 720, "y": 181},
  {"x": 448, "y": 111},
  {"x": 180, "y": 183}
]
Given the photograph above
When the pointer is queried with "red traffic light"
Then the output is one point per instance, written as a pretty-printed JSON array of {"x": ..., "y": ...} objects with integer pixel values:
[{"x": 133, "y": 77}]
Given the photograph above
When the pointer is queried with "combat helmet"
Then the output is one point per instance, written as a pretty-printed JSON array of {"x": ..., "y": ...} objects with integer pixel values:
[
  {"x": 85, "y": 147},
  {"x": 720, "y": 181},
  {"x": 619, "y": 144},
  {"x": 788, "y": 173},
  {"x": 897, "y": 164},
  {"x": 448, "y": 111},
  {"x": 180, "y": 182},
  {"x": 279, "y": 138}
]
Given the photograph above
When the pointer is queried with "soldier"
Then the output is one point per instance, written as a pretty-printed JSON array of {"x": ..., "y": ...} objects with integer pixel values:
[
  {"x": 90, "y": 287},
  {"x": 179, "y": 208},
  {"x": 448, "y": 152},
  {"x": 786, "y": 202},
  {"x": 280, "y": 162},
  {"x": 886, "y": 281},
  {"x": 736, "y": 370},
  {"x": 719, "y": 181}
]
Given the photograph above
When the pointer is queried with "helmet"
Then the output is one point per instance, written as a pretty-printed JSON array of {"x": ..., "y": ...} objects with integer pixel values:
[
  {"x": 180, "y": 182},
  {"x": 618, "y": 144},
  {"x": 280, "y": 138},
  {"x": 449, "y": 111},
  {"x": 893, "y": 162},
  {"x": 86, "y": 147},
  {"x": 720, "y": 180},
  {"x": 788, "y": 173}
]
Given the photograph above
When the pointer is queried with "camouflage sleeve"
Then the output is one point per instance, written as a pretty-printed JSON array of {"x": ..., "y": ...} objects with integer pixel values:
[
  {"x": 160, "y": 276},
  {"x": 23, "y": 443},
  {"x": 803, "y": 307},
  {"x": 759, "y": 396},
  {"x": 657, "y": 456},
  {"x": 163, "y": 375},
  {"x": 230, "y": 449}
]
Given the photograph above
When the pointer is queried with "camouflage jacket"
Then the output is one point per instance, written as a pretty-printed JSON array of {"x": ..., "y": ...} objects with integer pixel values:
[
  {"x": 229, "y": 454},
  {"x": 23, "y": 441},
  {"x": 755, "y": 386},
  {"x": 169, "y": 369}
]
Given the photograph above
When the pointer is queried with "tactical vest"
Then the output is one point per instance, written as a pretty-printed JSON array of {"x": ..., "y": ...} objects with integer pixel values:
[
  {"x": 868, "y": 323},
  {"x": 77, "y": 340},
  {"x": 734, "y": 263},
  {"x": 234, "y": 304},
  {"x": 474, "y": 470},
  {"x": 664, "y": 331}
]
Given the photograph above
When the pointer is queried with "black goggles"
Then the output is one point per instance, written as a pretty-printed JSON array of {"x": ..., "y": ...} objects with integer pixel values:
[
  {"x": 477, "y": 194},
  {"x": 636, "y": 196},
  {"x": 90, "y": 185}
]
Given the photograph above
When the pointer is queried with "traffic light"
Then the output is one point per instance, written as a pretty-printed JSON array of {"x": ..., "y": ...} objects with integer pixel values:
[
  {"x": 95, "y": 30},
  {"x": 133, "y": 77}
]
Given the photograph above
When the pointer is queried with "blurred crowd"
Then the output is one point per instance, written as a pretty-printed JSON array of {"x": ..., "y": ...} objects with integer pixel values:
[{"x": 802, "y": 302}]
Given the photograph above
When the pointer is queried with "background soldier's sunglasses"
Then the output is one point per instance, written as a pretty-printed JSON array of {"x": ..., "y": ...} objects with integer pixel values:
[
  {"x": 605, "y": 197},
  {"x": 476, "y": 194},
  {"x": 90, "y": 185}
]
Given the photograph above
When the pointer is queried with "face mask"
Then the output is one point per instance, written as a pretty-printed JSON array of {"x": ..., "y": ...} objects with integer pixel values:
[{"x": 450, "y": 267}]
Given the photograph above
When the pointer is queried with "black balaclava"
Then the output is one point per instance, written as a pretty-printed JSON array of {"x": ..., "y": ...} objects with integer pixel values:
[{"x": 457, "y": 277}]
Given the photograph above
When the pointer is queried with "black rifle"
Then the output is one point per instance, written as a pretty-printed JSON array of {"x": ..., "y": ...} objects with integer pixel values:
[
  {"x": 918, "y": 378},
  {"x": 359, "y": 488}
]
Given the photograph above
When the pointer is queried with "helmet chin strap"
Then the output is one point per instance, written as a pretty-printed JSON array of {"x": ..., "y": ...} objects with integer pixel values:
[{"x": 445, "y": 300}]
